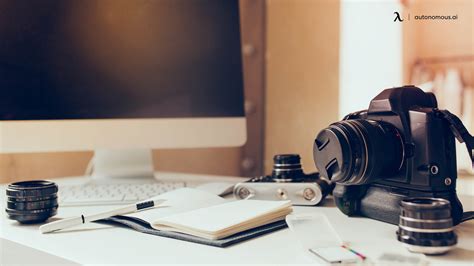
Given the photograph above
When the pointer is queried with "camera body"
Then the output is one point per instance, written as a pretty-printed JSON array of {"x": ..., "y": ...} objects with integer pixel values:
[
  {"x": 402, "y": 146},
  {"x": 286, "y": 182}
]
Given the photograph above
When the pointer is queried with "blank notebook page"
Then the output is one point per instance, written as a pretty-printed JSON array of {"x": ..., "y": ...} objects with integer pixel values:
[
  {"x": 178, "y": 201},
  {"x": 223, "y": 216}
]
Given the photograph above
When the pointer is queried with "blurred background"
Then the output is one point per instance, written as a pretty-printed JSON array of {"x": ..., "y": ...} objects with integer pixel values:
[{"x": 306, "y": 64}]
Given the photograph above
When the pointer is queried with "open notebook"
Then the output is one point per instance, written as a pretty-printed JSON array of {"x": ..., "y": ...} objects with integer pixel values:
[{"x": 198, "y": 216}]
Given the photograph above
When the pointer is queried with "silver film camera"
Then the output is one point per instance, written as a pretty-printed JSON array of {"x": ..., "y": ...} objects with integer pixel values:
[{"x": 287, "y": 182}]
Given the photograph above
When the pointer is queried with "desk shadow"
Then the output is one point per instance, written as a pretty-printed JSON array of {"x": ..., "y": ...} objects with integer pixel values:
[
  {"x": 459, "y": 254},
  {"x": 18, "y": 224},
  {"x": 53, "y": 219},
  {"x": 75, "y": 230},
  {"x": 36, "y": 226},
  {"x": 466, "y": 227},
  {"x": 327, "y": 202}
]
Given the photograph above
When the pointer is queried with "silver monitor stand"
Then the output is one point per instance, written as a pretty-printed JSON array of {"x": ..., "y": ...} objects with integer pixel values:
[{"x": 121, "y": 165}]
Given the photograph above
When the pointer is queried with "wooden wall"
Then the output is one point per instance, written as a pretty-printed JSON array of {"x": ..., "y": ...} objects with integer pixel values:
[
  {"x": 15, "y": 167},
  {"x": 302, "y": 75}
]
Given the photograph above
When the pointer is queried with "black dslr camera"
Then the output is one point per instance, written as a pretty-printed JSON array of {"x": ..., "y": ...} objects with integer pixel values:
[{"x": 402, "y": 146}]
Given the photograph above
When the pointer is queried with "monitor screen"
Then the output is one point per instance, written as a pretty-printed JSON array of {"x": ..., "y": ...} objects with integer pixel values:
[{"x": 106, "y": 59}]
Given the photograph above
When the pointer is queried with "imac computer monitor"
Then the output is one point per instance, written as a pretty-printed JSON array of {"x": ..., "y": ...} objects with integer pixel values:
[{"x": 120, "y": 74}]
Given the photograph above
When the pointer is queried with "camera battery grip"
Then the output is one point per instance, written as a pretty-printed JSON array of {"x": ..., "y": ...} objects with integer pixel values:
[{"x": 382, "y": 203}]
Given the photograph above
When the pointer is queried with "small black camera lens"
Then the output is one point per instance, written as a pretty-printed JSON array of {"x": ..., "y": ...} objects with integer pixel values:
[
  {"x": 32, "y": 201},
  {"x": 358, "y": 151},
  {"x": 426, "y": 225},
  {"x": 287, "y": 168}
]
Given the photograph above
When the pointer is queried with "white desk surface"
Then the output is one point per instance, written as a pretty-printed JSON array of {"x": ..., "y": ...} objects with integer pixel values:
[{"x": 101, "y": 244}]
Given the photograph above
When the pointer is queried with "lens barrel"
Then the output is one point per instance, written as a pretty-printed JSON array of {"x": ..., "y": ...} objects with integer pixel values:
[
  {"x": 426, "y": 225},
  {"x": 358, "y": 151},
  {"x": 287, "y": 168},
  {"x": 32, "y": 201}
]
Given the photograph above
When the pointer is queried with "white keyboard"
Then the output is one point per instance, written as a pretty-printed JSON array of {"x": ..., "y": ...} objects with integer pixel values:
[{"x": 112, "y": 194}]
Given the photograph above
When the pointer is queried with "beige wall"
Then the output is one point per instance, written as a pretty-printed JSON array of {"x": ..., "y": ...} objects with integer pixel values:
[
  {"x": 440, "y": 39},
  {"x": 15, "y": 167},
  {"x": 217, "y": 161},
  {"x": 302, "y": 75},
  {"x": 425, "y": 38}
]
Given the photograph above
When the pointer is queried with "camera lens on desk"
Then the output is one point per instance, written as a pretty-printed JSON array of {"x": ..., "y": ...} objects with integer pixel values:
[
  {"x": 32, "y": 201},
  {"x": 287, "y": 168},
  {"x": 426, "y": 225}
]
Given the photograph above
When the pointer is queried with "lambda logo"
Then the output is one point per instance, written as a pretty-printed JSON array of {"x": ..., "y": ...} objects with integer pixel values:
[{"x": 397, "y": 17}]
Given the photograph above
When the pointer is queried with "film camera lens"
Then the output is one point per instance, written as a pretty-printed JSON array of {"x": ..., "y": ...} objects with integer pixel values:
[
  {"x": 358, "y": 151},
  {"x": 426, "y": 225},
  {"x": 32, "y": 201},
  {"x": 287, "y": 168}
]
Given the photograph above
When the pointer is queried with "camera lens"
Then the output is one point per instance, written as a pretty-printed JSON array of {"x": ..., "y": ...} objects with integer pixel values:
[
  {"x": 35, "y": 188},
  {"x": 287, "y": 168},
  {"x": 426, "y": 225},
  {"x": 355, "y": 152},
  {"x": 32, "y": 201}
]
